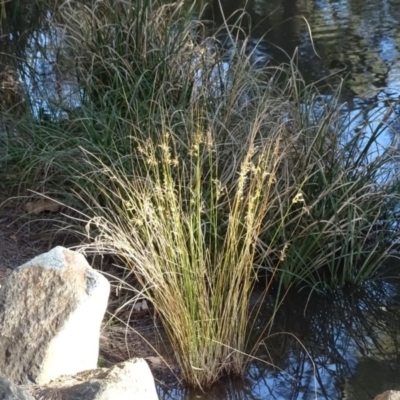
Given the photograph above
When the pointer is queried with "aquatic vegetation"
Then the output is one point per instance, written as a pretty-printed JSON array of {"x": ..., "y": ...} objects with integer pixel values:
[
  {"x": 342, "y": 224},
  {"x": 190, "y": 240},
  {"x": 204, "y": 197}
]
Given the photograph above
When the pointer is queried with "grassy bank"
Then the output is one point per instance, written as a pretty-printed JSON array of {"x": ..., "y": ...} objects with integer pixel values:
[{"x": 206, "y": 182}]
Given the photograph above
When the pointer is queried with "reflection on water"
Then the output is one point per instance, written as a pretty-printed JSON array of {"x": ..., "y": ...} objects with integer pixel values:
[
  {"x": 50, "y": 82},
  {"x": 350, "y": 40},
  {"x": 322, "y": 348},
  {"x": 333, "y": 41},
  {"x": 357, "y": 40}
]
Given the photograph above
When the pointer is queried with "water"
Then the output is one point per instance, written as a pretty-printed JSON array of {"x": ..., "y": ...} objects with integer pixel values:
[
  {"x": 342, "y": 346},
  {"x": 47, "y": 83},
  {"x": 339, "y": 347},
  {"x": 357, "y": 41}
]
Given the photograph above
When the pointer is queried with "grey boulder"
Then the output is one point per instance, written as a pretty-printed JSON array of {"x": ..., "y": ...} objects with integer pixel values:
[
  {"x": 51, "y": 310},
  {"x": 128, "y": 380},
  {"x": 9, "y": 391}
]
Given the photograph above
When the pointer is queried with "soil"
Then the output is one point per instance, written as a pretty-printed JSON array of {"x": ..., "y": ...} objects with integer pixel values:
[
  {"x": 24, "y": 236},
  {"x": 18, "y": 242}
]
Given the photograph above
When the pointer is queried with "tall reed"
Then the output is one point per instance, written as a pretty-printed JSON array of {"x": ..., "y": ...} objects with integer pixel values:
[{"x": 190, "y": 236}]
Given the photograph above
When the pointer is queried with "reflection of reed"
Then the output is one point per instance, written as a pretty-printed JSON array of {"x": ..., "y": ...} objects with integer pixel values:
[
  {"x": 315, "y": 349},
  {"x": 325, "y": 340}
]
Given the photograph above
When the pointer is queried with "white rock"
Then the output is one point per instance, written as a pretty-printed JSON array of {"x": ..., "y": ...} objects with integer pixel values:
[
  {"x": 129, "y": 380},
  {"x": 388, "y": 395},
  {"x": 51, "y": 309}
]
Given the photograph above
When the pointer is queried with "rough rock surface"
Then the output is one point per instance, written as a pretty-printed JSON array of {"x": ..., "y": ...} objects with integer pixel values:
[
  {"x": 388, "y": 395},
  {"x": 51, "y": 309},
  {"x": 9, "y": 391},
  {"x": 129, "y": 380}
]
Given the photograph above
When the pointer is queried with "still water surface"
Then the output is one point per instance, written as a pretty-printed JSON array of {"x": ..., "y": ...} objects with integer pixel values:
[
  {"x": 343, "y": 346},
  {"x": 357, "y": 40}
]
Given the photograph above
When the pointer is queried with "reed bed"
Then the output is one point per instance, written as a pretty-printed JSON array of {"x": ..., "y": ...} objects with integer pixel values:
[{"x": 208, "y": 179}]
